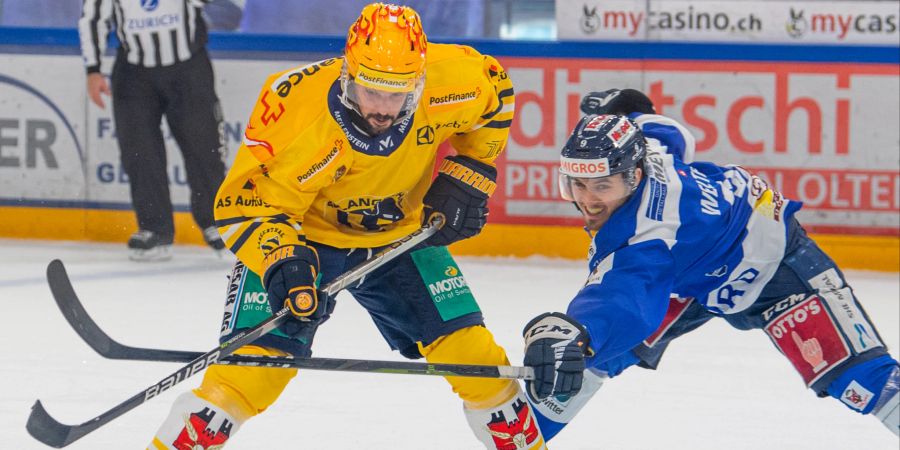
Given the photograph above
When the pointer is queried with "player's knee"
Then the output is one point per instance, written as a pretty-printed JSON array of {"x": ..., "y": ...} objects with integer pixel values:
[
  {"x": 861, "y": 386},
  {"x": 473, "y": 345},
  {"x": 245, "y": 391}
]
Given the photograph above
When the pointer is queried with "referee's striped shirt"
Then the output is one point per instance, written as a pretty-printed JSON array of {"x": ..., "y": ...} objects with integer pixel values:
[{"x": 152, "y": 33}]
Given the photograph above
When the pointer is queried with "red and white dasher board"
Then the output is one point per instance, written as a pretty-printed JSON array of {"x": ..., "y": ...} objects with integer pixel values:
[
  {"x": 826, "y": 134},
  {"x": 823, "y": 133}
]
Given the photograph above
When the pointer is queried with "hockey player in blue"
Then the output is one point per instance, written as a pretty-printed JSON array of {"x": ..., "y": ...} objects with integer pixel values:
[{"x": 675, "y": 244}]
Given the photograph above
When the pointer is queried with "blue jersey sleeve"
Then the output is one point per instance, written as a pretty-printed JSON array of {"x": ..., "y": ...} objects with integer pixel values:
[
  {"x": 671, "y": 137},
  {"x": 625, "y": 298}
]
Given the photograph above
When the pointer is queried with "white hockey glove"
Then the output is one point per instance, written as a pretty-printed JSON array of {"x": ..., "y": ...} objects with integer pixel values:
[{"x": 555, "y": 346}]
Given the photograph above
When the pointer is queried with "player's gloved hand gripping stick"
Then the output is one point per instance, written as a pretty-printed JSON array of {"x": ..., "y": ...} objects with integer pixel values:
[
  {"x": 460, "y": 193},
  {"x": 555, "y": 346},
  {"x": 292, "y": 281}
]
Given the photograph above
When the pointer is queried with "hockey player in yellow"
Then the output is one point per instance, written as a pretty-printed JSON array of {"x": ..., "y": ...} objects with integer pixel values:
[{"x": 336, "y": 163}]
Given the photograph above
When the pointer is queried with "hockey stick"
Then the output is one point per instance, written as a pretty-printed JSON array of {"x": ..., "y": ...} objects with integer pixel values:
[
  {"x": 74, "y": 312},
  {"x": 48, "y": 430}
]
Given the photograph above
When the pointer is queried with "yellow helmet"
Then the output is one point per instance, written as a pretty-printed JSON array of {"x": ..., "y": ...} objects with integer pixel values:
[{"x": 385, "y": 51}]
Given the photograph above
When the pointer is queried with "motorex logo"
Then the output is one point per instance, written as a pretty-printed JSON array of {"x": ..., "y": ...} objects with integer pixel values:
[
  {"x": 149, "y": 5},
  {"x": 448, "y": 285}
]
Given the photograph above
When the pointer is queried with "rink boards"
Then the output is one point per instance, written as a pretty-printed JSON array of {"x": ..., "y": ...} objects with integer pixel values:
[{"x": 818, "y": 122}]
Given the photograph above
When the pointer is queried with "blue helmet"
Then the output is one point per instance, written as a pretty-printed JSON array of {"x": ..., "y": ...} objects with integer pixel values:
[{"x": 601, "y": 146}]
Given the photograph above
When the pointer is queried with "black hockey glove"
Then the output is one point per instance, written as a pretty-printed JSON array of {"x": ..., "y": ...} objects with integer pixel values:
[
  {"x": 292, "y": 280},
  {"x": 555, "y": 346},
  {"x": 460, "y": 192},
  {"x": 617, "y": 101}
]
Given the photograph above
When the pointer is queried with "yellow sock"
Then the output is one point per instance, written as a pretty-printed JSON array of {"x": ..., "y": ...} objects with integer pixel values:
[
  {"x": 245, "y": 391},
  {"x": 473, "y": 345}
]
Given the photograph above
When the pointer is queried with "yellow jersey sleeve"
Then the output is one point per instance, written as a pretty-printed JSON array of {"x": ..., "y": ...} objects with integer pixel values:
[
  {"x": 486, "y": 139},
  {"x": 277, "y": 173}
]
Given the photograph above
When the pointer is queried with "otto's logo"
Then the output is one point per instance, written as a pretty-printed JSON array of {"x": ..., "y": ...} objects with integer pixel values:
[
  {"x": 590, "y": 21},
  {"x": 454, "y": 97},
  {"x": 792, "y": 319},
  {"x": 425, "y": 135},
  {"x": 149, "y": 5},
  {"x": 796, "y": 26},
  {"x": 451, "y": 271},
  {"x": 580, "y": 168}
]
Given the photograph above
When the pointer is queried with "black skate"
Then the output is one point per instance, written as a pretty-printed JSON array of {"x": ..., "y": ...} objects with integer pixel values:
[
  {"x": 146, "y": 245},
  {"x": 212, "y": 238}
]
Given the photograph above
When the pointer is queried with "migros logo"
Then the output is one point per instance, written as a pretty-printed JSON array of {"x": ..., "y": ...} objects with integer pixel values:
[{"x": 580, "y": 168}]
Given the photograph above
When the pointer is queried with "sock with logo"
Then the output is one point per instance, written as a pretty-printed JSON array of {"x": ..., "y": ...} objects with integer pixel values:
[
  {"x": 195, "y": 422},
  {"x": 861, "y": 385},
  {"x": 511, "y": 424}
]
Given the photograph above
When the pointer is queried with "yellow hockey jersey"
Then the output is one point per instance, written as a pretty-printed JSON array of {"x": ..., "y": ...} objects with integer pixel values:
[{"x": 304, "y": 171}]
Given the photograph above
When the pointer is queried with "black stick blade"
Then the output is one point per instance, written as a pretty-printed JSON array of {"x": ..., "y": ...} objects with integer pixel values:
[
  {"x": 48, "y": 430},
  {"x": 78, "y": 318},
  {"x": 91, "y": 333}
]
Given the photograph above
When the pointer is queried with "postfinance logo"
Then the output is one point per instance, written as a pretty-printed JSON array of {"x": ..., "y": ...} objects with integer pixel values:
[{"x": 454, "y": 97}]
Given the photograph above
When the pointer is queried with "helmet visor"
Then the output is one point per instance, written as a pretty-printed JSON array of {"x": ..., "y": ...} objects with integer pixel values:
[
  {"x": 596, "y": 191},
  {"x": 382, "y": 97}
]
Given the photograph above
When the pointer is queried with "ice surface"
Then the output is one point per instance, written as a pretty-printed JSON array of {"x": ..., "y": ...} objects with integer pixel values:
[{"x": 716, "y": 388}]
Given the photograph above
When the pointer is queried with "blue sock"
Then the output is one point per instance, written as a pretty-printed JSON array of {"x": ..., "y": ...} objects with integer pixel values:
[{"x": 860, "y": 386}]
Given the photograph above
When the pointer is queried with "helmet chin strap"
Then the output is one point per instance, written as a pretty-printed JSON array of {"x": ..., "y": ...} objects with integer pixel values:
[{"x": 359, "y": 122}]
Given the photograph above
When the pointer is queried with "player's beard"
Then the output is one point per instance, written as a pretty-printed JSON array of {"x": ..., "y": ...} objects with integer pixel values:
[{"x": 379, "y": 123}]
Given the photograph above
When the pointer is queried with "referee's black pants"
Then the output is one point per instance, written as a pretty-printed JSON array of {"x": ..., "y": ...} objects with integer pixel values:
[{"x": 185, "y": 94}]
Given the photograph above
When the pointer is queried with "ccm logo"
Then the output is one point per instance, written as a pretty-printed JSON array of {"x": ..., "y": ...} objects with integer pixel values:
[{"x": 549, "y": 329}]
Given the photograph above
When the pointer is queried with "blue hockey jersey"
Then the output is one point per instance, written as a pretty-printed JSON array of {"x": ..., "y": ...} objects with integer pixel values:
[{"x": 715, "y": 233}]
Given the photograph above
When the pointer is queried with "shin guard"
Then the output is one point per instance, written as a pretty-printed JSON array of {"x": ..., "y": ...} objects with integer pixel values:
[
  {"x": 554, "y": 413},
  {"x": 195, "y": 423},
  {"x": 887, "y": 409},
  {"x": 510, "y": 425},
  {"x": 206, "y": 417}
]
